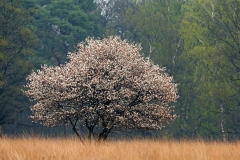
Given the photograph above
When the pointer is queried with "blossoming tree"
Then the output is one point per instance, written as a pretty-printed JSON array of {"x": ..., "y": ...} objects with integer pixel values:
[{"x": 105, "y": 84}]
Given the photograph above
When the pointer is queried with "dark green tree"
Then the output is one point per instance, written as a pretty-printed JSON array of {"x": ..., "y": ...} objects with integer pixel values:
[
  {"x": 61, "y": 25},
  {"x": 16, "y": 42}
]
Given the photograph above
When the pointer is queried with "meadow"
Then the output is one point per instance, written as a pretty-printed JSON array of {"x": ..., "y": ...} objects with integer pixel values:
[{"x": 72, "y": 149}]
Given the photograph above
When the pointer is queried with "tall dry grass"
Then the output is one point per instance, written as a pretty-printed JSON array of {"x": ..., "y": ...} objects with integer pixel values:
[{"x": 72, "y": 149}]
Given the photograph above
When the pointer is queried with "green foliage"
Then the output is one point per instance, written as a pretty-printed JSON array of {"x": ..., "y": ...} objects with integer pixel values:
[
  {"x": 198, "y": 42},
  {"x": 61, "y": 25},
  {"x": 208, "y": 71},
  {"x": 155, "y": 25},
  {"x": 16, "y": 42}
]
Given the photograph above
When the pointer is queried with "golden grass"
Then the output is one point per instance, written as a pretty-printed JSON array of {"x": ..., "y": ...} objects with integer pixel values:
[{"x": 72, "y": 149}]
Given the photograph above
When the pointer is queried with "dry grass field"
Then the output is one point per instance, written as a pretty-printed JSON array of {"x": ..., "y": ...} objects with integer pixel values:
[{"x": 72, "y": 149}]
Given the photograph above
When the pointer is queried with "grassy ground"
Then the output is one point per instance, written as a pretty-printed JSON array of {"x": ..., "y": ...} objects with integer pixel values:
[{"x": 73, "y": 149}]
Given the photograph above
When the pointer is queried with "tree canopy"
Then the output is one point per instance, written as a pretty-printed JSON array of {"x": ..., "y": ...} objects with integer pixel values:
[
  {"x": 17, "y": 40},
  {"x": 61, "y": 25},
  {"x": 106, "y": 83}
]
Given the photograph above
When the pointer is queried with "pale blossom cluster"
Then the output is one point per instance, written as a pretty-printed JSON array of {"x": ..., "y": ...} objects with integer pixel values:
[{"x": 106, "y": 83}]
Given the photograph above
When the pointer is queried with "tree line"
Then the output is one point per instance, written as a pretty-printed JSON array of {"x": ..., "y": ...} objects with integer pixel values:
[{"x": 197, "y": 41}]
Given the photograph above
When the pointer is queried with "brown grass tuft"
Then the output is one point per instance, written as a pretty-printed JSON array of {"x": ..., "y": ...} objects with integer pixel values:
[{"x": 73, "y": 149}]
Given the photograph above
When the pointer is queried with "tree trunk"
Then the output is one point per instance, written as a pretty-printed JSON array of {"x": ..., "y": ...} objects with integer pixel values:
[
  {"x": 65, "y": 130},
  {"x": 104, "y": 134},
  {"x": 35, "y": 129},
  {"x": 91, "y": 127},
  {"x": 90, "y": 133},
  {"x": 16, "y": 123},
  {"x": 222, "y": 124},
  {"x": 75, "y": 130},
  {"x": 1, "y": 131}
]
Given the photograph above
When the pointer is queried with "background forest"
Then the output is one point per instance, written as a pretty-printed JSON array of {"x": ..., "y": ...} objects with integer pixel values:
[{"x": 197, "y": 41}]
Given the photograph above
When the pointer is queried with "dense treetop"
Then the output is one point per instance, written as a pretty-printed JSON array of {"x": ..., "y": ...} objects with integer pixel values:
[{"x": 106, "y": 83}]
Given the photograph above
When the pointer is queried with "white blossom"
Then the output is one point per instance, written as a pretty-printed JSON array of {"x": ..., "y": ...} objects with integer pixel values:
[{"x": 105, "y": 83}]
